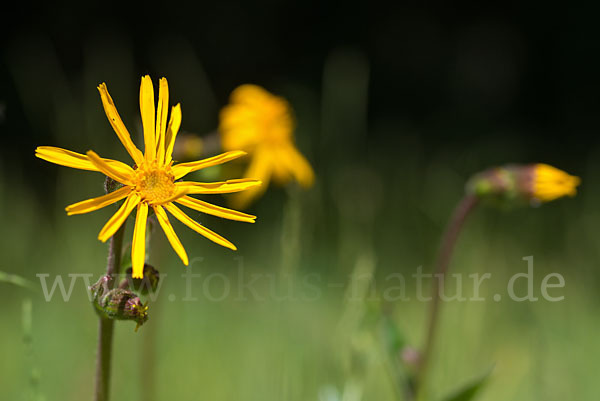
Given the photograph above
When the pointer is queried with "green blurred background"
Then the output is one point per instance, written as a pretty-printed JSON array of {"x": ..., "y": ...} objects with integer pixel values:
[{"x": 396, "y": 107}]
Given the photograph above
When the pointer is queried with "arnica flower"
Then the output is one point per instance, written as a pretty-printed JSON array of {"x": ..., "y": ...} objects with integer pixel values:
[
  {"x": 262, "y": 125},
  {"x": 533, "y": 183},
  {"x": 154, "y": 181}
]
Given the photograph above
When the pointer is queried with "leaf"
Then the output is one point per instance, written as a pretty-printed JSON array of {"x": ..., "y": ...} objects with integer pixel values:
[
  {"x": 394, "y": 344},
  {"x": 469, "y": 391},
  {"x": 392, "y": 337},
  {"x": 16, "y": 280}
]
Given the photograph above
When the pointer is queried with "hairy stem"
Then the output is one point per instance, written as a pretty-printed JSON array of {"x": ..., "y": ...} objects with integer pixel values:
[
  {"x": 106, "y": 326},
  {"x": 449, "y": 238}
]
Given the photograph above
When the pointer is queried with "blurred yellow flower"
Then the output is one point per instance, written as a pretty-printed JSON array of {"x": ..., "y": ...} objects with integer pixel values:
[
  {"x": 261, "y": 124},
  {"x": 550, "y": 183},
  {"x": 533, "y": 183},
  {"x": 153, "y": 181}
]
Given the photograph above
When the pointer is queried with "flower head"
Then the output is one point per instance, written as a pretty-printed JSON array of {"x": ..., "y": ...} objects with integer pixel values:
[
  {"x": 533, "y": 183},
  {"x": 153, "y": 183},
  {"x": 262, "y": 125}
]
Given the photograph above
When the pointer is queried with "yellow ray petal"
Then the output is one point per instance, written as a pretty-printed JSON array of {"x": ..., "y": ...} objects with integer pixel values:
[
  {"x": 172, "y": 129},
  {"x": 215, "y": 210},
  {"x": 260, "y": 168},
  {"x": 551, "y": 183},
  {"x": 138, "y": 246},
  {"x": 250, "y": 94},
  {"x": 161, "y": 119},
  {"x": 118, "y": 126},
  {"x": 299, "y": 167},
  {"x": 117, "y": 220},
  {"x": 185, "y": 219},
  {"x": 76, "y": 160},
  {"x": 221, "y": 187},
  {"x": 148, "y": 115},
  {"x": 179, "y": 170},
  {"x": 161, "y": 215},
  {"x": 90, "y": 205},
  {"x": 122, "y": 173}
]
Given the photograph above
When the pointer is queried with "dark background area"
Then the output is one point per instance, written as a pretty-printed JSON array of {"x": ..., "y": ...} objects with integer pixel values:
[{"x": 451, "y": 75}]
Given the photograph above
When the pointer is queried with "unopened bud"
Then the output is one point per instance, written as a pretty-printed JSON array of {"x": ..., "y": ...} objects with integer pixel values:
[
  {"x": 532, "y": 183},
  {"x": 124, "y": 305},
  {"x": 118, "y": 303}
]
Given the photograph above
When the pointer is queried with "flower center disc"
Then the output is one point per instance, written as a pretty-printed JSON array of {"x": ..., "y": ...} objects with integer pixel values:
[{"x": 154, "y": 184}]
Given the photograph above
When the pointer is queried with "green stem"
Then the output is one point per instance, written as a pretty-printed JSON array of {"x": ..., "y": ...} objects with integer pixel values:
[
  {"x": 106, "y": 326},
  {"x": 451, "y": 234},
  {"x": 148, "y": 355}
]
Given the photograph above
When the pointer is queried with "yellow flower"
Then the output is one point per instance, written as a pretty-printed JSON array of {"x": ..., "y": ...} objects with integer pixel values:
[
  {"x": 153, "y": 181},
  {"x": 533, "y": 183},
  {"x": 262, "y": 125},
  {"x": 550, "y": 183}
]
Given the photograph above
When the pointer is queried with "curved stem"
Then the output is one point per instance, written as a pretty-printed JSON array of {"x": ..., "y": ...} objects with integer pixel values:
[
  {"x": 105, "y": 331},
  {"x": 462, "y": 210}
]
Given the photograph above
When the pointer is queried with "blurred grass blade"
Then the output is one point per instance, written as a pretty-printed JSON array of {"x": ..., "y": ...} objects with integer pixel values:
[
  {"x": 16, "y": 280},
  {"x": 469, "y": 391},
  {"x": 33, "y": 393},
  {"x": 393, "y": 338},
  {"x": 394, "y": 342}
]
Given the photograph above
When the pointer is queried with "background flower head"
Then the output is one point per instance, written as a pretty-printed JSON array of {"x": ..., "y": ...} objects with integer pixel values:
[
  {"x": 532, "y": 183},
  {"x": 261, "y": 124}
]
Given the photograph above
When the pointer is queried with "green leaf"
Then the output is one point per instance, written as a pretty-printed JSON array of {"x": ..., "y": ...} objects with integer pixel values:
[
  {"x": 469, "y": 391},
  {"x": 16, "y": 280},
  {"x": 392, "y": 337}
]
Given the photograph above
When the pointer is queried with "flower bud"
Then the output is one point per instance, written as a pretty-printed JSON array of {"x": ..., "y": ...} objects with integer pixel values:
[
  {"x": 118, "y": 303},
  {"x": 532, "y": 183},
  {"x": 124, "y": 305}
]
